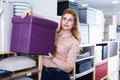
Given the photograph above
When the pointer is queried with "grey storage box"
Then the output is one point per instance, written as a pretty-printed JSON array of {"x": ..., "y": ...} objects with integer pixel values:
[
  {"x": 118, "y": 33},
  {"x": 104, "y": 52},
  {"x": 84, "y": 55},
  {"x": 87, "y": 15},
  {"x": 84, "y": 65}
]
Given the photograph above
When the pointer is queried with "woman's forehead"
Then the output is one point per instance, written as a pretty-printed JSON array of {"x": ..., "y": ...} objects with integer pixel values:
[{"x": 68, "y": 15}]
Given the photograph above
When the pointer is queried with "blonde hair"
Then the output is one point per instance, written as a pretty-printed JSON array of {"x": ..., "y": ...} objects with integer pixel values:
[{"x": 74, "y": 30}]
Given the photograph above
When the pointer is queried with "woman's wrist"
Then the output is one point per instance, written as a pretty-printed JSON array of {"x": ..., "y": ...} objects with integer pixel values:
[{"x": 52, "y": 57}]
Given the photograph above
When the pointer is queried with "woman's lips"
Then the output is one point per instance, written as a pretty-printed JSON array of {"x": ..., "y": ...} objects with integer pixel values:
[{"x": 65, "y": 25}]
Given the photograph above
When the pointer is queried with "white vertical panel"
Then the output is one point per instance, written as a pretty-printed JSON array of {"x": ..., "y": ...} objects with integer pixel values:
[
  {"x": 112, "y": 64},
  {"x": 5, "y": 26},
  {"x": 95, "y": 33},
  {"x": 114, "y": 76},
  {"x": 98, "y": 54},
  {"x": 44, "y": 6},
  {"x": 99, "y": 17}
]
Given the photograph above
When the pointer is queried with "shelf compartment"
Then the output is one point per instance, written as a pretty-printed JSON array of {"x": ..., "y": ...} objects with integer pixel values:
[
  {"x": 113, "y": 49},
  {"x": 84, "y": 65},
  {"x": 26, "y": 72},
  {"x": 101, "y": 53},
  {"x": 86, "y": 51},
  {"x": 114, "y": 76},
  {"x": 113, "y": 64},
  {"x": 27, "y": 35},
  {"x": 101, "y": 70},
  {"x": 84, "y": 73}
]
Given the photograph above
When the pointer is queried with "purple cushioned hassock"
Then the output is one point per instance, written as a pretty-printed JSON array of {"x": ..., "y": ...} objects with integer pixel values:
[{"x": 33, "y": 35}]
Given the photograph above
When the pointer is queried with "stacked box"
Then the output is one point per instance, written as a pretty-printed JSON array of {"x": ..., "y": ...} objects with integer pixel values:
[
  {"x": 62, "y": 5},
  {"x": 33, "y": 35}
]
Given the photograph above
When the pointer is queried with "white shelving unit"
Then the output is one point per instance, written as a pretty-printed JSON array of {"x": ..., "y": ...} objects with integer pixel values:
[
  {"x": 109, "y": 63},
  {"x": 84, "y": 73},
  {"x": 103, "y": 68},
  {"x": 26, "y": 72},
  {"x": 77, "y": 73}
]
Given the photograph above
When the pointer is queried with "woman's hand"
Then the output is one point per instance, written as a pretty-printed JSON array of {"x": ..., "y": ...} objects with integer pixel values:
[
  {"x": 50, "y": 56},
  {"x": 28, "y": 12}
]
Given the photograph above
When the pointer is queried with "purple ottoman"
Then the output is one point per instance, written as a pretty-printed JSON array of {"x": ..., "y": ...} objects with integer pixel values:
[{"x": 33, "y": 35}]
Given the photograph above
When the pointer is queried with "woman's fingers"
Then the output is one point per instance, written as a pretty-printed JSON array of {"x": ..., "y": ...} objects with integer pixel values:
[
  {"x": 23, "y": 15},
  {"x": 50, "y": 56},
  {"x": 26, "y": 13}
]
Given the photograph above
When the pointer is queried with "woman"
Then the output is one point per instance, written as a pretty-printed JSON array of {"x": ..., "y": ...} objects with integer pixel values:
[{"x": 67, "y": 41}]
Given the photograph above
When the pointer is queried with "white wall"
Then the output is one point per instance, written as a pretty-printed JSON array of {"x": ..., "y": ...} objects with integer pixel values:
[
  {"x": 41, "y": 6},
  {"x": 48, "y": 7}
]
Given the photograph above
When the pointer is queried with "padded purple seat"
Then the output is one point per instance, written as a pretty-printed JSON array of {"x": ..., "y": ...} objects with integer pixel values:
[{"x": 33, "y": 35}]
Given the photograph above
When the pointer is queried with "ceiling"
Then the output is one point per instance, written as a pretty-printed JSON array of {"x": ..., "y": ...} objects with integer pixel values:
[{"x": 105, "y": 5}]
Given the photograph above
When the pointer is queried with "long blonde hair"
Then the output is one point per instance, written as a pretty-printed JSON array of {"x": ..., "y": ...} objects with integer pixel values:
[{"x": 74, "y": 30}]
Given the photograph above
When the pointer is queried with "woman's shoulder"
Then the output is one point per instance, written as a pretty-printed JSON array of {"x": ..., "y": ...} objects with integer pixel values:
[{"x": 75, "y": 41}]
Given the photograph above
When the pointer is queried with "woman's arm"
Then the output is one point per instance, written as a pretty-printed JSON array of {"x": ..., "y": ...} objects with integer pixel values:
[{"x": 68, "y": 65}]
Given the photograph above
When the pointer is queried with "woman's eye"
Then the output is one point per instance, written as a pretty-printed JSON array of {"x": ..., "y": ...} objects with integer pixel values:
[
  {"x": 64, "y": 18},
  {"x": 70, "y": 20}
]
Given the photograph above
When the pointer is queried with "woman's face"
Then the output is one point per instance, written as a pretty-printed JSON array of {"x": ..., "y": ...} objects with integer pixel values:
[{"x": 67, "y": 21}]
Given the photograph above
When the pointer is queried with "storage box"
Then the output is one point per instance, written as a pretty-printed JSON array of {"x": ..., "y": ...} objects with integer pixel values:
[
  {"x": 96, "y": 33},
  {"x": 62, "y": 5},
  {"x": 91, "y": 16},
  {"x": 104, "y": 52},
  {"x": 110, "y": 32},
  {"x": 118, "y": 33},
  {"x": 101, "y": 70},
  {"x": 20, "y": 7},
  {"x": 87, "y": 15},
  {"x": 113, "y": 49},
  {"x": 84, "y": 30},
  {"x": 33, "y": 35},
  {"x": 84, "y": 55},
  {"x": 84, "y": 65}
]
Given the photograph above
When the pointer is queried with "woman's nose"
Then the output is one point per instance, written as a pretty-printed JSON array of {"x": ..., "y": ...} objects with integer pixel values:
[{"x": 66, "y": 21}]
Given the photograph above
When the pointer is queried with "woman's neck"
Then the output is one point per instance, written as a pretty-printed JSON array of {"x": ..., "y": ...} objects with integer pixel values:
[{"x": 66, "y": 31}]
